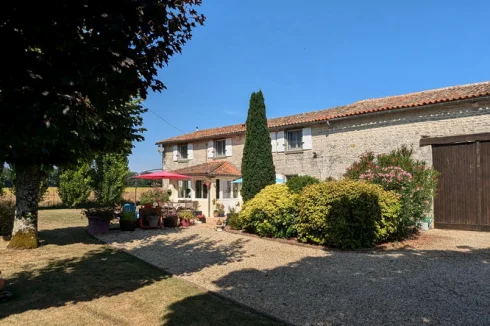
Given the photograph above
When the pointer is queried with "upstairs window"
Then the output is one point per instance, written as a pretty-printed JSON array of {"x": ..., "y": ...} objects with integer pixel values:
[
  {"x": 295, "y": 140},
  {"x": 183, "y": 152},
  {"x": 220, "y": 148}
]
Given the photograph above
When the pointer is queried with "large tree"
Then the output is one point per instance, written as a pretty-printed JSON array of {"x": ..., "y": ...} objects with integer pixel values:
[
  {"x": 257, "y": 165},
  {"x": 72, "y": 67}
]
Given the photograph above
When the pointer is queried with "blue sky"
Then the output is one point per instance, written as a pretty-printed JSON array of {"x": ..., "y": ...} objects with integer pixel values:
[{"x": 310, "y": 55}]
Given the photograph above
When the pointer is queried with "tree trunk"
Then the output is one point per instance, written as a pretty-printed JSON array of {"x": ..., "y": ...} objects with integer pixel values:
[{"x": 24, "y": 233}]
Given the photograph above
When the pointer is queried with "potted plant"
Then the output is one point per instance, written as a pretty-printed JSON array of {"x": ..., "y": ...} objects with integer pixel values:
[
  {"x": 99, "y": 219},
  {"x": 128, "y": 220},
  {"x": 201, "y": 218},
  {"x": 146, "y": 200},
  {"x": 186, "y": 217},
  {"x": 221, "y": 209},
  {"x": 153, "y": 220},
  {"x": 171, "y": 221},
  {"x": 220, "y": 225}
]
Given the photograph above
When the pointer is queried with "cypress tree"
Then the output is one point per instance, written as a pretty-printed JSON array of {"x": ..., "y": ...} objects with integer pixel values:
[{"x": 257, "y": 165}]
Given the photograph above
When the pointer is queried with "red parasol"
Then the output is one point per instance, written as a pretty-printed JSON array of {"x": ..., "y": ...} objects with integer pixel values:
[{"x": 162, "y": 175}]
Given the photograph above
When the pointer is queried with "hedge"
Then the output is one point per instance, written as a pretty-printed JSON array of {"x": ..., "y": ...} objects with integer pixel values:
[
  {"x": 347, "y": 214},
  {"x": 271, "y": 213}
]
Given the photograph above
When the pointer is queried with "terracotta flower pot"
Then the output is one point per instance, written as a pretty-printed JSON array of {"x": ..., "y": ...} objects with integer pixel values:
[
  {"x": 185, "y": 223},
  {"x": 98, "y": 225}
]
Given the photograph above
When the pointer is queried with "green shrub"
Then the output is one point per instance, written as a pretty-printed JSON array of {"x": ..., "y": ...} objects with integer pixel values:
[
  {"x": 398, "y": 171},
  {"x": 7, "y": 212},
  {"x": 158, "y": 195},
  {"x": 271, "y": 213},
  {"x": 186, "y": 215},
  {"x": 74, "y": 185},
  {"x": 346, "y": 214},
  {"x": 296, "y": 184},
  {"x": 233, "y": 219},
  {"x": 128, "y": 216}
]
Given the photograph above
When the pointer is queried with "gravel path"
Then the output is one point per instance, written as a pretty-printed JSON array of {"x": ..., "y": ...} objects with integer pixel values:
[{"x": 441, "y": 279}]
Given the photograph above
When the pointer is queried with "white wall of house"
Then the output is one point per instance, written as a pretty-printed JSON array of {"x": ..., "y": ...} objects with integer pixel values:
[{"x": 208, "y": 205}]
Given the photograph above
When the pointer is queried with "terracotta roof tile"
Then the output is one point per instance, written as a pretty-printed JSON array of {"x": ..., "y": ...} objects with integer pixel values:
[
  {"x": 214, "y": 168},
  {"x": 417, "y": 99}
]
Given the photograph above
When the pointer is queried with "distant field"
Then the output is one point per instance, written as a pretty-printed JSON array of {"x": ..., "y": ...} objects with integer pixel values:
[{"x": 52, "y": 198}]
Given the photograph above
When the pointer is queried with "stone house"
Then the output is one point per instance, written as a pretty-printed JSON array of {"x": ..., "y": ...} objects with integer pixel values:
[{"x": 441, "y": 125}]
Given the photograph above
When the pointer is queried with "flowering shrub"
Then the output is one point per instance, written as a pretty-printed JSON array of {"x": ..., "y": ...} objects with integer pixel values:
[
  {"x": 399, "y": 172},
  {"x": 391, "y": 177},
  {"x": 271, "y": 213},
  {"x": 347, "y": 214}
]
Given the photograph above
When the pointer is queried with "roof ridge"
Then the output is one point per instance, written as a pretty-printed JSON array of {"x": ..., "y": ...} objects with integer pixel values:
[{"x": 422, "y": 92}]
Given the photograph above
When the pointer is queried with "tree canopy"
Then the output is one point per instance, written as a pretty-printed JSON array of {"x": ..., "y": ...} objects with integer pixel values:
[{"x": 73, "y": 67}]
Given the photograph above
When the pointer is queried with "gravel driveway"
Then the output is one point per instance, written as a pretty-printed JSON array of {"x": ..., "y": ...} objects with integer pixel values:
[{"x": 441, "y": 279}]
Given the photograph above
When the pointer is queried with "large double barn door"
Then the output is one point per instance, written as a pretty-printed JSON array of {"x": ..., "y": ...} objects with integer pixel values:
[{"x": 463, "y": 196}]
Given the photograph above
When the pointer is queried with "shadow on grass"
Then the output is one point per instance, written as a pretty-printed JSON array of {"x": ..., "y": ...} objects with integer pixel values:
[
  {"x": 66, "y": 236},
  {"x": 99, "y": 273}
]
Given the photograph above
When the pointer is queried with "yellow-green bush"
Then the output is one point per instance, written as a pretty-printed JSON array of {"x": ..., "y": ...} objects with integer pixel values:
[
  {"x": 347, "y": 214},
  {"x": 271, "y": 213}
]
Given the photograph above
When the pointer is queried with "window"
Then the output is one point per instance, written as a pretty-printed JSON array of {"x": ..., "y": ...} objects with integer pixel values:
[
  {"x": 227, "y": 189},
  {"x": 183, "y": 153},
  {"x": 220, "y": 148},
  {"x": 236, "y": 189},
  {"x": 295, "y": 140},
  {"x": 184, "y": 188},
  {"x": 201, "y": 189}
]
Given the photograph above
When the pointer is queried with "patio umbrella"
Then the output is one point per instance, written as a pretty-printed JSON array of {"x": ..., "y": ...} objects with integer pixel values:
[{"x": 162, "y": 175}]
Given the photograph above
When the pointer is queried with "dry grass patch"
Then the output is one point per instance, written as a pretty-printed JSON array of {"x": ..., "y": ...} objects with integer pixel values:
[{"x": 72, "y": 279}]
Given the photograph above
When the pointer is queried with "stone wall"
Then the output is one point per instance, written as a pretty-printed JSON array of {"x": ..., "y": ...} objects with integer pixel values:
[{"x": 339, "y": 143}]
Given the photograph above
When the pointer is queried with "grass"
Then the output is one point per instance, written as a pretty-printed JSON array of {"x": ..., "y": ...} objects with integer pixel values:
[
  {"x": 72, "y": 279},
  {"x": 52, "y": 198}
]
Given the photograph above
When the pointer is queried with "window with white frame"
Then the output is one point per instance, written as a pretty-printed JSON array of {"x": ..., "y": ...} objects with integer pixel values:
[
  {"x": 294, "y": 140},
  {"x": 236, "y": 189},
  {"x": 183, "y": 152},
  {"x": 201, "y": 189},
  {"x": 227, "y": 189},
  {"x": 220, "y": 148},
  {"x": 184, "y": 188}
]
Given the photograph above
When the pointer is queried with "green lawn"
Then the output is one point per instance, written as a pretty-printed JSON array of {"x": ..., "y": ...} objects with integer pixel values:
[{"x": 72, "y": 279}]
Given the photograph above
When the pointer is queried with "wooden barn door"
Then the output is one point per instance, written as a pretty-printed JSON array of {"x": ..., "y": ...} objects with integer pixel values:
[
  {"x": 485, "y": 185},
  {"x": 462, "y": 200}
]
